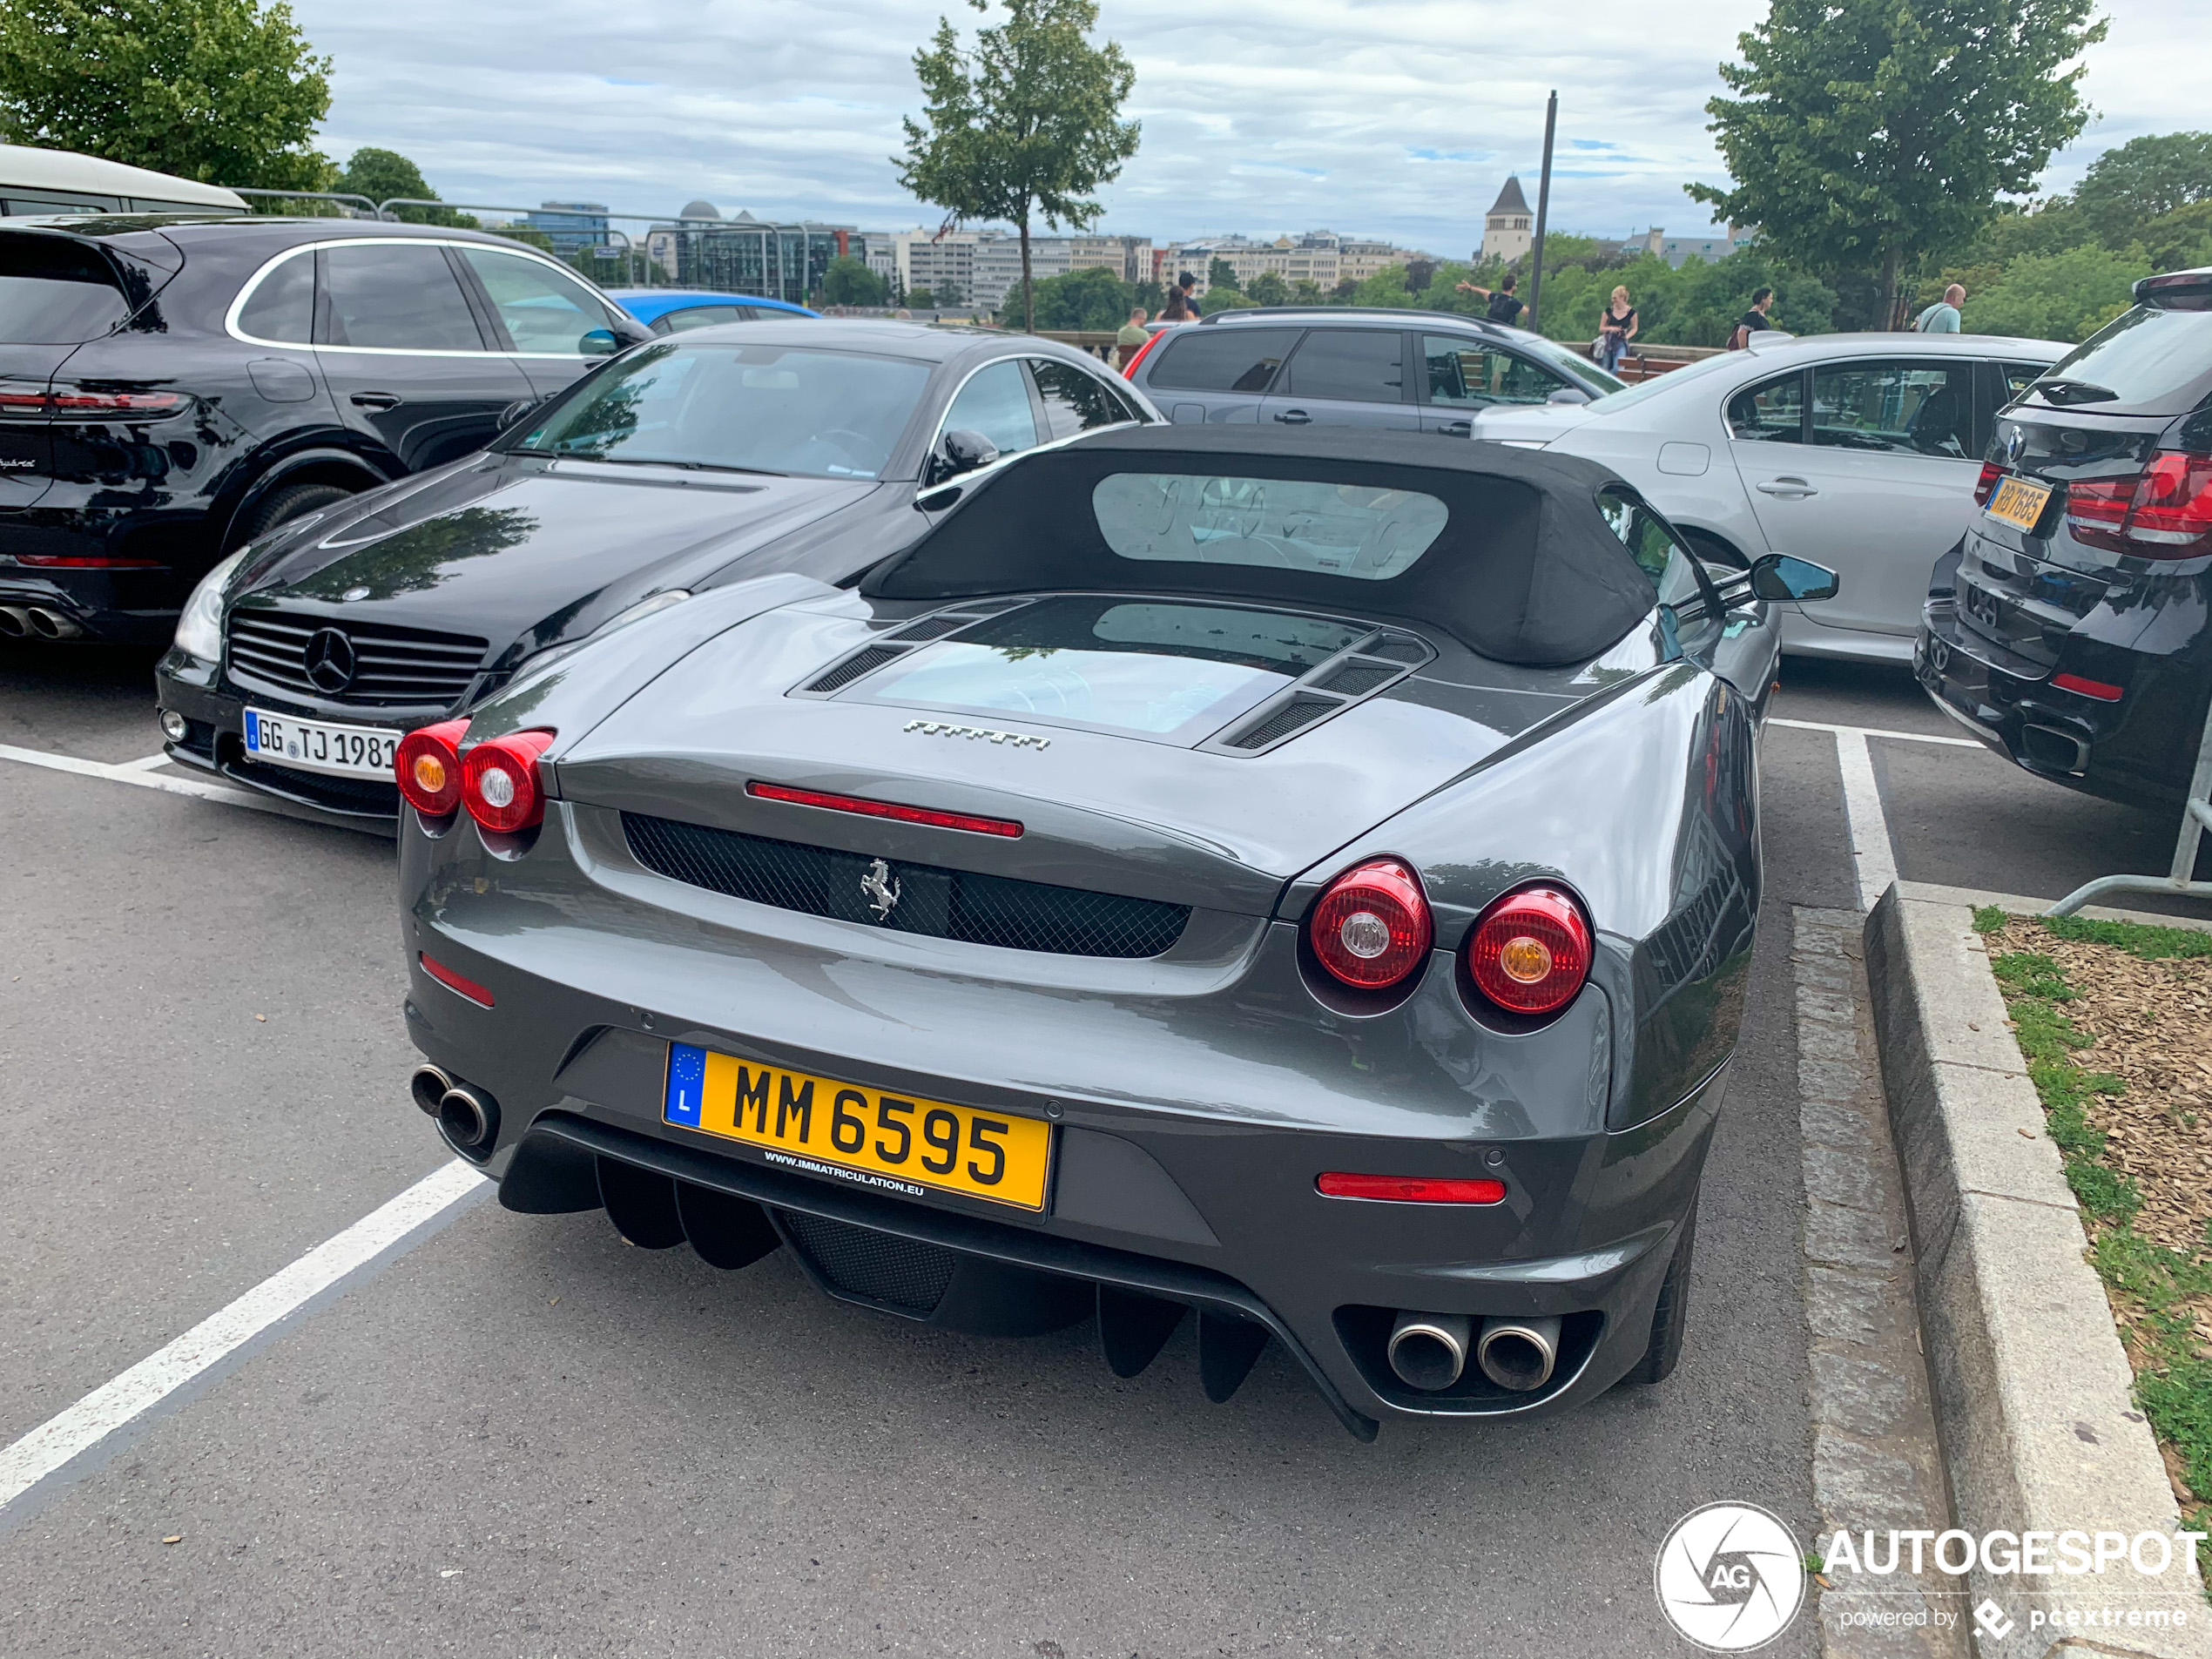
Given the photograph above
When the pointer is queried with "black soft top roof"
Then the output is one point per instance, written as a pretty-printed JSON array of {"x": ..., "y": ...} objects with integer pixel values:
[{"x": 1525, "y": 571}]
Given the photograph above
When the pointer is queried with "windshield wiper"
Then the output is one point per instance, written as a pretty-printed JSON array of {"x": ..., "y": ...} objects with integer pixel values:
[
  {"x": 2065, "y": 392},
  {"x": 687, "y": 466}
]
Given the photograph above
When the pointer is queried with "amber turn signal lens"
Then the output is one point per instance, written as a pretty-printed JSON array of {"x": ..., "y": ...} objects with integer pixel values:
[
  {"x": 1530, "y": 951},
  {"x": 428, "y": 767}
]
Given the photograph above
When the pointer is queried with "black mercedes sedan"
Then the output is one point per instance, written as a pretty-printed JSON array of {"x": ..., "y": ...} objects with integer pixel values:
[{"x": 302, "y": 660}]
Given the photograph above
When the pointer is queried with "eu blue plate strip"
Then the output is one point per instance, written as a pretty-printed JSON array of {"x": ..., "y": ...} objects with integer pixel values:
[{"x": 686, "y": 1084}]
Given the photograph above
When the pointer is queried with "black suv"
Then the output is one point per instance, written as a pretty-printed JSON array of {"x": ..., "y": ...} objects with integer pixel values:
[
  {"x": 171, "y": 387},
  {"x": 2073, "y": 635},
  {"x": 1337, "y": 366}
]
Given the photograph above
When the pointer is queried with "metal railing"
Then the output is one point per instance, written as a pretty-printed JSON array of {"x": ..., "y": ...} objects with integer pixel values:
[{"x": 2196, "y": 817}]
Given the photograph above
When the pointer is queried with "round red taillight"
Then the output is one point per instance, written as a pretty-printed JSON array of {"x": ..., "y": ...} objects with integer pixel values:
[
  {"x": 1530, "y": 951},
  {"x": 1371, "y": 928},
  {"x": 427, "y": 766},
  {"x": 499, "y": 782}
]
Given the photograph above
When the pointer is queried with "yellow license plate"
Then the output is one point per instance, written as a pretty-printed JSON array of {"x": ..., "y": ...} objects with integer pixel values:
[
  {"x": 2019, "y": 502},
  {"x": 893, "y": 1142}
]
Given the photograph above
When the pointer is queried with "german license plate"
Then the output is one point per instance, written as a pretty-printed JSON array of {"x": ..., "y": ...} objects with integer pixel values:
[
  {"x": 317, "y": 745},
  {"x": 2019, "y": 502},
  {"x": 893, "y": 1142}
]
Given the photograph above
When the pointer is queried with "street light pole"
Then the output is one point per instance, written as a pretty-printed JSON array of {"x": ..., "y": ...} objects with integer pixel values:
[{"x": 1543, "y": 207}]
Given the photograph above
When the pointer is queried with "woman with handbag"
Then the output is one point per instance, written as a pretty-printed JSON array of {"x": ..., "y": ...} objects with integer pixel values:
[{"x": 1616, "y": 326}]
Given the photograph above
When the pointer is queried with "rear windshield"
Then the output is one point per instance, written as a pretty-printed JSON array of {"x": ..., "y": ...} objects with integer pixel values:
[
  {"x": 1332, "y": 530},
  {"x": 55, "y": 293},
  {"x": 738, "y": 409},
  {"x": 1157, "y": 670},
  {"x": 2147, "y": 361}
]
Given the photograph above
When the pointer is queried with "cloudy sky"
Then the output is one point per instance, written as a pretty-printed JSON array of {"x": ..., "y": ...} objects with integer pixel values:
[{"x": 1380, "y": 118}]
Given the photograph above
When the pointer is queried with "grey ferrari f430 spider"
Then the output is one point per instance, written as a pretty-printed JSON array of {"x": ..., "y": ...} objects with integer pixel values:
[{"x": 1278, "y": 879}]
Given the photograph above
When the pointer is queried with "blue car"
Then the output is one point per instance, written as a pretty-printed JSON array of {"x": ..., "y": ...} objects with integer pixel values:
[{"x": 671, "y": 311}]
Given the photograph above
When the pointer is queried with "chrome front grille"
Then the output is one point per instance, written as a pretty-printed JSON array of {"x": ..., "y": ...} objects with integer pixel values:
[{"x": 391, "y": 665}]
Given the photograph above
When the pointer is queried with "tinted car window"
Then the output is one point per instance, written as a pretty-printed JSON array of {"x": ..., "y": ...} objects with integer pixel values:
[
  {"x": 748, "y": 409},
  {"x": 1221, "y": 360},
  {"x": 996, "y": 402},
  {"x": 2019, "y": 376},
  {"x": 544, "y": 310},
  {"x": 2151, "y": 361},
  {"x": 400, "y": 298},
  {"x": 1465, "y": 374},
  {"x": 1899, "y": 408},
  {"x": 1075, "y": 402},
  {"x": 1653, "y": 546},
  {"x": 1337, "y": 530},
  {"x": 1773, "y": 413},
  {"x": 700, "y": 317},
  {"x": 1366, "y": 365},
  {"x": 282, "y": 306},
  {"x": 57, "y": 293}
]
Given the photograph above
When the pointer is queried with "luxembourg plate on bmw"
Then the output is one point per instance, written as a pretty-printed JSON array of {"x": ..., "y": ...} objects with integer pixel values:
[
  {"x": 821, "y": 1126},
  {"x": 2019, "y": 502},
  {"x": 317, "y": 745}
]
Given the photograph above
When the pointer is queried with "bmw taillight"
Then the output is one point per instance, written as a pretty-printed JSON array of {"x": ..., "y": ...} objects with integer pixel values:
[
  {"x": 1530, "y": 951},
  {"x": 428, "y": 767},
  {"x": 1987, "y": 484},
  {"x": 499, "y": 781},
  {"x": 1371, "y": 928},
  {"x": 2163, "y": 512}
]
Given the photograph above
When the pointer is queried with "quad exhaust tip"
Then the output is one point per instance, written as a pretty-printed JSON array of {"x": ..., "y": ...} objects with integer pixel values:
[
  {"x": 45, "y": 623},
  {"x": 1518, "y": 1354},
  {"x": 14, "y": 621},
  {"x": 468, "y": 1119},
  {"x": 1429, "y": 1351},
  {"x": 428, "y": 1087}
]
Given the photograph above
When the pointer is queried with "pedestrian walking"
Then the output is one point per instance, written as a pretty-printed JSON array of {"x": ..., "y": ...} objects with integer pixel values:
[
  {"x": 1616, "y": 326},
  {"x": 1505, "y": 306},
  {"x": 1181, "y": 307},
  {"x": 1752, "y": 320},
  {"x": 1942, "y": 317},
  {"x": 1131, "y": 339}
]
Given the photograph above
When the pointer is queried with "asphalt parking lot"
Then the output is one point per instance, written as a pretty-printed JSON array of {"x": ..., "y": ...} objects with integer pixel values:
[{"x": 518, "y": 1435}]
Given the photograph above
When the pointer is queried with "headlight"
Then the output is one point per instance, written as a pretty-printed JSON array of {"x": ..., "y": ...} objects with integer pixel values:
[{"x": 199, "y": 630}]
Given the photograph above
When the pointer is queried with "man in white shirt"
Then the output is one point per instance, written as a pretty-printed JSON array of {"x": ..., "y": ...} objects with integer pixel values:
[{"x": 1942, "y": 317}]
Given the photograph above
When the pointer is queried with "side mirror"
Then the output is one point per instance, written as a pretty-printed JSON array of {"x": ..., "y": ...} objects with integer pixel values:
[
  {"x": 518, "y": 412},
  {"x": 600, "y": 342},
  {"x": 1569, "y": 394},
  {"x": 1778, "y": 576},
  {"x": 962, "y": 450}
]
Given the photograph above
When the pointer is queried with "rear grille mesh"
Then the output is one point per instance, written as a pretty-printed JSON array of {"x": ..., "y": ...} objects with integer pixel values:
[
  {"x": 853, "y": 667},
  {"x": 941, "y": 903},
  {"x": 903, "y": 1272},
  {"x": 392, "y": 666},
  {"x": 1298, "y": 712}
]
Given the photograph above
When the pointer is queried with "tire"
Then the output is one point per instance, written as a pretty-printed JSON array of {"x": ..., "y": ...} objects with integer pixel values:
[
  {"x": 282, "y": 504},
  {"x": 1664, "y": 1352}
]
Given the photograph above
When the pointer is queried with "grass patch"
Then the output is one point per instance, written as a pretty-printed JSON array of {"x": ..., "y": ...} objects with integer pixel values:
[{"x": 2160, "y": 1292}]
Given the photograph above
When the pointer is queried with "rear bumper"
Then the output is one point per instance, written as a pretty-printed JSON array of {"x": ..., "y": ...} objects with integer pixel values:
[
  {"x": 1210, "y": 1204},
  {"x": 138, "y": 602},
  {"x": 2140, "y": 750}
]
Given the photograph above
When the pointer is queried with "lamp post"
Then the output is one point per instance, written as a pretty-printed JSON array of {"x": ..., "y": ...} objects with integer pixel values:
[{"x": 1543, "y": 207}]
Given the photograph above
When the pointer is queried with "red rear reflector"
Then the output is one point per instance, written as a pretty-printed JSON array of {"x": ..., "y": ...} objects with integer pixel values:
[
  {"x": 1991, "y": 472},
  {"x": 453, "y": 982},
  {"x": 889, "y": 809},
  {"x": 70, "y": 561},
  {"x": 2097, "y": 689},
  {"x": 1412, "y": 1188}
]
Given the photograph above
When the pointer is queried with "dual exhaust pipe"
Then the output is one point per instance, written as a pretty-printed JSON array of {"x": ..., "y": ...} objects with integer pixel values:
[
  {"x": 467, "y": 1116},
  {"x": 37, "y": 621},
  {"x": 1430, "y": 1350}
]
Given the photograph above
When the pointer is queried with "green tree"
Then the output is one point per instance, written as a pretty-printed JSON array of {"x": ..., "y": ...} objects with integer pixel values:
[
  {"x": 949, "y": 294},
  {"x": 847, "y": 281},
  {"x": 1225, "y": 300},
  {"x": 1220, "y": 274},
  {"x": 381, "y": 175},
  {"x": 922, "y": 300},
  {"x": 1027, "y": 123},
  {"x": 1094, "y": 299},
  {"x": 2143, "y": 179},
  {"x": 221, "y": 90},
  {"x": 2068, "y": 295},
  {"x": 1870, "y": 135},
  {"x": 1269, "y": 288}
]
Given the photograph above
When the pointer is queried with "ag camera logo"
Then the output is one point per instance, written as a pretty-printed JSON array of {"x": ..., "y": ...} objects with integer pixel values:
[{"x": 1729, "y": 1577}]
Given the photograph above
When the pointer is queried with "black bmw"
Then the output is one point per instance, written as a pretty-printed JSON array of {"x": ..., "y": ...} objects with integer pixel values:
[{"x": 299, "y": 663}]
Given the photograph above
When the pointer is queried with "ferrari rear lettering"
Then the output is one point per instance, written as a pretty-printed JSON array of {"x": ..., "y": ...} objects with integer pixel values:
[{"x": 870, "y": 1136}]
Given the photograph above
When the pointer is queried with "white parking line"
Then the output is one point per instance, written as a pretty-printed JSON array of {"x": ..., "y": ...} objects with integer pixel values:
[
  {"x": 145, "y": 762},
  {"x": 1874, "y": 731},
  {"x": 109, "y": 1407},
  {"x": 1873, "y": 859},
  {"x": 140, "y": 773}
]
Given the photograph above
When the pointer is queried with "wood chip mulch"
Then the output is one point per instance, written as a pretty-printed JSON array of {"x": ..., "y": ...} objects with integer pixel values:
[{"x": 2152, "y": 1022}]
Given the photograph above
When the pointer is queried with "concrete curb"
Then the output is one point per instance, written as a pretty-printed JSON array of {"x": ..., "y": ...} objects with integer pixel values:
[{"x": 2032, "y": 1390}]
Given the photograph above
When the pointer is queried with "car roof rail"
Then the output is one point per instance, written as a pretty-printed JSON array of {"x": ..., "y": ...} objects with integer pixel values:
[{"x": 1421, "y": 312}]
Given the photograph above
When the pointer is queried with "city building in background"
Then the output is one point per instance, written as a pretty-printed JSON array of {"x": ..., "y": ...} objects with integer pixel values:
[
  {"x": 1678, "y": 251},
  {"x": 1322, "y": 258},
  {"x": 1505, "y": 228},
  {"x": 702, "y": 249},
  {"x": 570, "y": 227}
]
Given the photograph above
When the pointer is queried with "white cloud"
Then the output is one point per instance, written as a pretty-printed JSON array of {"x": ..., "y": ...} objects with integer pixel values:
[{"x": 1397, "y": 119}]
